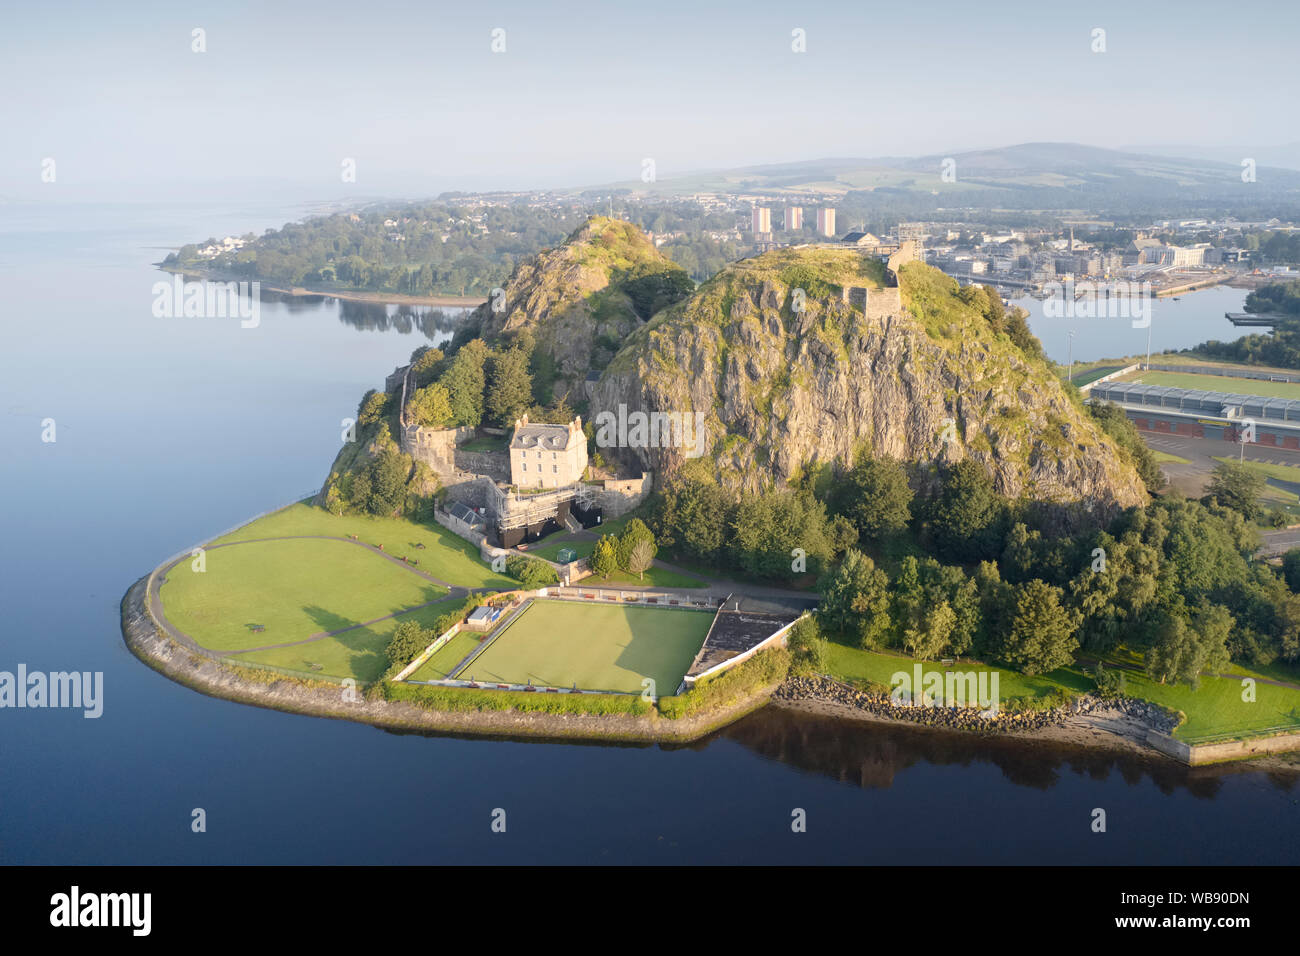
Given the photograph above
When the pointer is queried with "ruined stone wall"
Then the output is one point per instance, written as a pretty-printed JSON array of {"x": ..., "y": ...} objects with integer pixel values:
[
  {"x": 619, "y": 496},
  {"x": 494, "y": 464},
  {"x": 436, "y": 447}
]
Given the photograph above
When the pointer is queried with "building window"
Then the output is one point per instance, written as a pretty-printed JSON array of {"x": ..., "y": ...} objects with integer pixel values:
[
  {"x": 555, "y": 469},
  {"x": 525, "y": 466}
]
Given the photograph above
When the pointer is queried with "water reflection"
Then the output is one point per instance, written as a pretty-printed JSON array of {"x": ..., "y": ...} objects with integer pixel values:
[
  {"x": 434, "y": 323},
  {"x": 871, "y": 755}
]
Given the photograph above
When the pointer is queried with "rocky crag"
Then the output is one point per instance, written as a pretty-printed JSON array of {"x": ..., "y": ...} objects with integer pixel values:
[
  {"x": 801, "y": 357},
  {"x": 582, "y": 299}
]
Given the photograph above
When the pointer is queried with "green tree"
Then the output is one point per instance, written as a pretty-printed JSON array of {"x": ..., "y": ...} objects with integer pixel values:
[
  {"x": 1041, "y": 638},
  {"x": 1186, "y": 646},
  {"x": 768, "y": 532},
  {"x": 690, "y": 516},
  {"x": 1237, "y": 487},
  {"x": 633, "y": 537},
  {"x": 876, "y": 497},
  {"x": 807, "y": 646},
  {"x": 510, "y": 387},
  {"x": 855, "y": 600},
  {"x": 465, "y": 381},
  {"x": 373, "y": 407},
  {"x": 1291, "y": 569},
  {"x": 532, "y": 573},
  {"x": 966, "y": 518},
  {"x": 408, "y": 640},
  {"x": 388, "y": 475},
  {"x": 604, "y": 557},
  {"x": 430, "y": 407}
]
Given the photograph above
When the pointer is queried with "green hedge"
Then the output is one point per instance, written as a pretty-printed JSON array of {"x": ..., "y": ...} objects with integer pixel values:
[
  {"x": 463, "y": 699},
  {"x": 730, "y": 687}
]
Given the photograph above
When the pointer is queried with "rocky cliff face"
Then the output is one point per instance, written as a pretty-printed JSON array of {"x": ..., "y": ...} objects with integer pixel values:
[
  {"x": 909, "y": 372},
  {"x": 578, "y": 300}
]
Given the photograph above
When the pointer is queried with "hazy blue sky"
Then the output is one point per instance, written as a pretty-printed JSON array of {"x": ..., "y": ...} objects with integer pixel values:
[{"x": 584, "y": 91}]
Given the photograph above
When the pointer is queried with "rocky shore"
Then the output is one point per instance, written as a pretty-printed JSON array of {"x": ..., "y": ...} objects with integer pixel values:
[{"x": 826, "y": 690}]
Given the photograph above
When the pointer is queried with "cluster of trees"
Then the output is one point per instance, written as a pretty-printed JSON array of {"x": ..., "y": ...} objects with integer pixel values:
[
  {"x": 1175, "y": 579},
  {"x": 453, "y": 248},
  {"x": 532, "y": 573},
  {"x": 975, "y": 577},
  {"x": 633, "y": 551},
  {"x": 448, "y": 248},
  {"x": 473, "y": 386}
]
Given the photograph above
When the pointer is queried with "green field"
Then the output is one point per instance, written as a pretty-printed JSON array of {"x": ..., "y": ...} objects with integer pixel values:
[
  {"x": 358, "y": 654},
  {"x": 445, "y": 556},
  {"x": 292, "y": 589},
  {"x": 1221, "y": 383},
  {"x": 852, "y": 663},
  {"x": 1214, "y": 710},
  {"x": 594, "y": 646},
  {"x": 1164, "y": 458},
  {"x": 441, "y": 664}
]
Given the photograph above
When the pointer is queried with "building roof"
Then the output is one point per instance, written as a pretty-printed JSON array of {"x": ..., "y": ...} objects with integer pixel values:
[
  {"x": 465, "y": 513},
  {"x": 548, "y": 437}
]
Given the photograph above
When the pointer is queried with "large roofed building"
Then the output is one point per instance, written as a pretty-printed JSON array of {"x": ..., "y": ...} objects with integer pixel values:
[{"x": 547, "y": 456}]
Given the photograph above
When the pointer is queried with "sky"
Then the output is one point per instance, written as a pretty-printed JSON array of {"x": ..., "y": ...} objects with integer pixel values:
[{"x": 583, "y": 92}]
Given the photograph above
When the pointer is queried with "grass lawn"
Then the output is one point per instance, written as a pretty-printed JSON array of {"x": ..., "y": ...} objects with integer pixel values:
[
  {"x": 1164, "y": 458},
  {"x": 654, "y": 578},
  {"x": 595, "y": 646},
  {"x": 294, "y": 589},
  {"x": 852, "y": 663},
  {"x": 440, "y": 665},
  {"x": 358, "y": 654},
  {"x": 550, "y": 548},
  {"x": 1221, "y": 383},
  {"x": 445, "y": 555},
  {"x": 1217, "y": 708},
  {"x": 1082, "y": 378}
]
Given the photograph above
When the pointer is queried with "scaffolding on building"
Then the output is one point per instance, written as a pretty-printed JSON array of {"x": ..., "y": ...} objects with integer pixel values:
[{"x": 514, "y": 509}]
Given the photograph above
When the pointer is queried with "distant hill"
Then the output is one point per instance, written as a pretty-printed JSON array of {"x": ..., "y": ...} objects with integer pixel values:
[{"x": 1025, "y": 176}]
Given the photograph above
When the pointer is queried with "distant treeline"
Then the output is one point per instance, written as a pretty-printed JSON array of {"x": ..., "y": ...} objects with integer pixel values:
[{"x": 447, "y": 248}]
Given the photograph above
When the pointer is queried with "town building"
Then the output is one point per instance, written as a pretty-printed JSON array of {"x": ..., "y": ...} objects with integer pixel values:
[
  {"x": 547, "y": 456},
  {"x": 793, "y": 218},
  {"x": 826, "y": 222}
]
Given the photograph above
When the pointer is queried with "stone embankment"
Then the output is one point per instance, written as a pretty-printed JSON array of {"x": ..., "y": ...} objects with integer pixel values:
[{"x": 967, "y": 718}]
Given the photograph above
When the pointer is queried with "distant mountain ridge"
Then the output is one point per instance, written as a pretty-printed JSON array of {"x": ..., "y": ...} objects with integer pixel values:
[{"x": 1068, "y": 167}]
